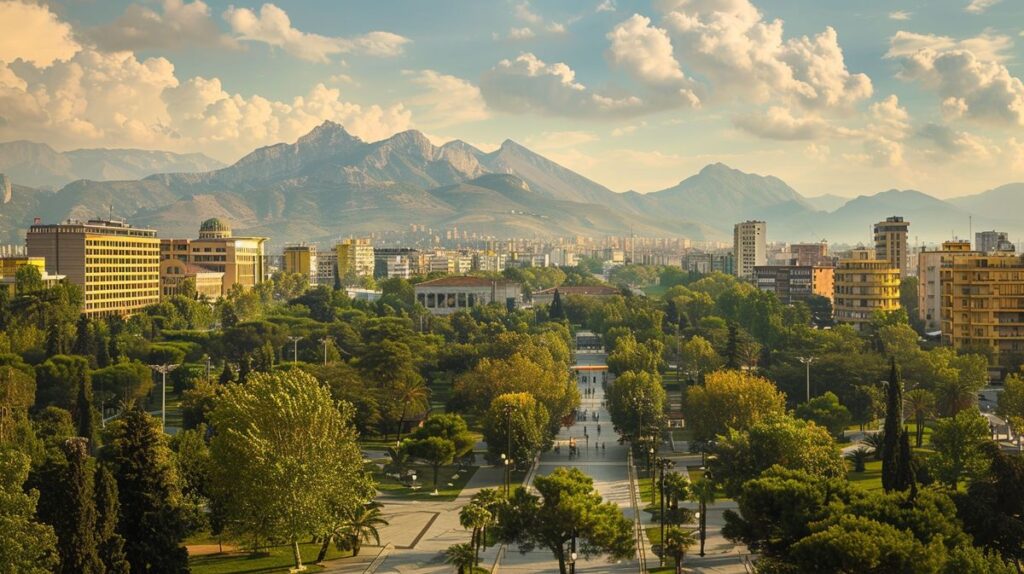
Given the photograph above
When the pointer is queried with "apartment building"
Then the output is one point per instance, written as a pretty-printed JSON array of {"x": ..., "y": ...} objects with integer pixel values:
[
  {"x": 301, "y": 258},
  {"x": 9, "y": 267},
  {"x": 864, "y": 285},
  {"x": 355, "y": 256},
  {"x": 326, "y": 268},
  {"x": 749, "y": 247},
  {"x": 929, "y": 277},
  {"x": 116, "y": 265},
  {"x": 990, "y": 241},
  {"x": 241, "y": 259},
  {"x": 983, "y": 305},
  {"x": 795, "y": 282},
  {"x": 891, "y": 243},
  {"x": 810, "y": 254}
]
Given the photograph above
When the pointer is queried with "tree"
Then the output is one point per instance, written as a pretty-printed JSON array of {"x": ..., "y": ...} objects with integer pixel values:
[
  {"x": 628, "y": 354},
  {"x": 1011, "y": 401},
  {"x": 28, "y": 279},
  {"x": 26, "y": 546},
  {"x": 152, "y": 523},
  {"x": 406, "y": 396},
  {"x": 779, "y": 441},
  {"x": 84, "y": 416},
  {"x": 75, "y": 520},
  {"x": 437, "y": 451},
  {"x": 636, "y": 398},
  {"x": 364, "y": 526},
  {"x": 858, "y": 544},
  {"x": 282, "y": 452},
  {"x": 702, "y": 491},
  {"x": 958, "y": 442},
  {"x": 993, "y": 507},
  {"x": 526, "y": 419},
  {"x": 475, "y": 517},
  {"x": 677, "y": 543},
  {"x": 461, "y": 556},
  {"x": 826, "y": 411},
  {"x": 448, "y": 426},
  {"x": 677, "y": 488},
  {"x": 556, "y": 311},
  {"x": 859, "y": 458},
  {"x": 568, "y": 508},
  {"x": 697, "y": 354},
  {"x": 892, "y": 430},
  {"x": 921, "y": 404},
  {"x": 111, "y": 544},
  {"x": 731, "y": 399}
]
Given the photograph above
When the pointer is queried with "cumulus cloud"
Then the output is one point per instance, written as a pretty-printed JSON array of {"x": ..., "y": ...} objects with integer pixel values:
[
  {"x": 900, "y": 15},
  {"x": 446, "y": 99},
  {"x": 979, "y": 6},
  {"x": 32, "y": 33},
  {"x": 967, "y": 74},
  {"x": 115, "y": 99},
  {"x": 645, "y": 50},
  {"x": 524, "y": 33},
  {"x": 745, "y": 56},
  {"x": 779, "y": 123},
  {"x": 888, "y": 127},
  {"x": 606, "y": 6},
  {"x": 179, "y": 25},
  {"x": 948, "y": 143},
  {"x": 272, "y": 26},
  {"x": 528, "y": 84},
  {"x": 524, "y": 13}
]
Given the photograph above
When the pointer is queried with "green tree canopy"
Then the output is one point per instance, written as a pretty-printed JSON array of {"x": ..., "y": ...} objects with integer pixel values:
[
  {"x": 730, "y": 400},
  {"x": 529, "y": 422}
]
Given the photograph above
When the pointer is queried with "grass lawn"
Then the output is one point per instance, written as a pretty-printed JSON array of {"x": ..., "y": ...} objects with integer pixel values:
[
  {"x": 655, "y": 290},
  {"x": 870, "y": 479},
  {"x": 394, "y": 489},
  {"x": 277, "y": 559}
]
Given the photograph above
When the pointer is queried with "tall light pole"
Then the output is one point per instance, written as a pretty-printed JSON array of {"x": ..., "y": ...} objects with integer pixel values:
[
  {"x": 807, "y": 364},
  {"x": 163, "y": 370},
  {"x": 295, "y": 347},
  {"x": 325, "y": 340},
  {"x": 208, "y": 365},
  {"x": 508, "y": 449}
]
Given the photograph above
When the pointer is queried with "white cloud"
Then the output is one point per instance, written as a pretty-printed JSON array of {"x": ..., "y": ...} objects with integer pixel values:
[
  {"x": 116, "y": 100},
  {"x": 888, "y": 127},
  {"x": 524, "y": 13},
  {"x": 948, "y": 143},
  {"x": 606, "y": 6},
  {"x": 900, "y": 15},
  {"x": 447, "y": 99},
  {"x": 645, "y": 51},
  {"x": 817, "y": 152},
  {"x": 273, "y": 27},
  {"x": 179, "y": 25},
  {"x": 528, "y": 84},
  {"x": 32, "y": 33},
  {"x": 745, "y": 57},
  {"x": 555, "y": 28},
  {"x": 627, "y": 129},
  {"x": 524, "y": 33},
  {"x": 779, "y": 123},
  {"x": 967, "y": 74},
  {"x": 979, "y": 6}
]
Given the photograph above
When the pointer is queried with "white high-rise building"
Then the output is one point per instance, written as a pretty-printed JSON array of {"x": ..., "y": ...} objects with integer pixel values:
[{"x": 749, "y": 247}]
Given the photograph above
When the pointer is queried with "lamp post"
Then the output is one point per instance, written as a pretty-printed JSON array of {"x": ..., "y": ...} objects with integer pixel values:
[
  {"x": 807, "y": 364},
  {"x": 572, "y": 554},
  {"x": 508, "y": 448},
  {"x": 295, "y": 347},
  {"x": 650, "y": 471},
  {"x": 209, "y": 363},
  {"x": 663, "y": 464},
  {"x": 325, "y": 340},
  {"x": 163, "y": 370}
]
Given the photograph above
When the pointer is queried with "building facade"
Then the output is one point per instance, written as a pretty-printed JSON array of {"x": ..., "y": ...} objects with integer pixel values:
[
  {"x": 983, "y": 305},
  {"x": 929, "y": 280},
  {"x": 795, "y": 282},
  {"x": 355, "y": 256},
  {"x": 241, "y": 259},
  {"x": 9, "y": 267},
  {"x": 116, "y": 265},
  {"x": 864, "y": 285},
  {"x": 891, "y": 243},
  {"x": 173, "y": 272},
  {"x": 448, "y": 295},
  {"x": 326, "y": 268},
  {"x": 810, "y": 254},
  {"x": 991, "y": 241},
  {"x": 301, "y": 258},
  {"x": 749, "y": 247}
]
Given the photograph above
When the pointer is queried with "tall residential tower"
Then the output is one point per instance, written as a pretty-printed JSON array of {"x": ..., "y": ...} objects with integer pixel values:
[{"x": 748, "y": 245}]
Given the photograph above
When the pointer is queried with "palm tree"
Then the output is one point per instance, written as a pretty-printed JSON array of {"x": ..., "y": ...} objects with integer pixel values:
[
  {"x": 398, "y": 460},
  {"x": 677, "y": 487},
  {"x": 411, "y": 393},
  {"x": 859, "y": 458},
  {"x": 702, "y": 491},
  {"x": 676, "y": 543},
  {"x": 363, "y": 526},
  {"x": 461, "y": 557},
  {"x": 954, "y": 395},
  {"x": 875, "y": 441},
  {"x": 475, "y": 517},
  {"x": 920, "y": 403}
]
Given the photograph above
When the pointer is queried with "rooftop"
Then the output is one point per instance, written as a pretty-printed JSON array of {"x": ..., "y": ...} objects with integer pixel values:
[{"x": 463, "y": 281}]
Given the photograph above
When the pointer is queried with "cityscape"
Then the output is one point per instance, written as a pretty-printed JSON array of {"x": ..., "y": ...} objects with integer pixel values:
[{"x": 274, "y": 298}]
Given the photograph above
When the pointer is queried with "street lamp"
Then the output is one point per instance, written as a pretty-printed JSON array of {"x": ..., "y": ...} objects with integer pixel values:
[
  {"x": 325, "y": 340},
  {"x": 572, "y": 554},
  {"x": 650, "y": 455},
  {"x": 295, "y": 347},
  {"x": 163, "y": 370},
  {"x": 208, "y": 365},
  {"x": 807, "y": 364}
]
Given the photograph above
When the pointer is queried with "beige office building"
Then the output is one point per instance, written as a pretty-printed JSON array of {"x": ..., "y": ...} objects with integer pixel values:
[
  {"x": 891, "y": 243},
  {"x": 302, "y": 258},
  {"x": 116, "y": 265},
  {"x": 929, "y": 277},
  {"x": 240, "y": 259},
  {"x": 749, "y": 247},
  {"x": 983, "y": 305},
  {"x": 864, "y": 285},
  {"x": 355, "y": 256}
]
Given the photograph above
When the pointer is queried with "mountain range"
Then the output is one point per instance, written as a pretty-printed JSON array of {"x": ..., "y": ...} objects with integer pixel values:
[{"x": 330, "y": 184}]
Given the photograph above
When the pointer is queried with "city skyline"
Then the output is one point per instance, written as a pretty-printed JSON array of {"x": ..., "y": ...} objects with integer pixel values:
[{"x": 635, "y": 95}]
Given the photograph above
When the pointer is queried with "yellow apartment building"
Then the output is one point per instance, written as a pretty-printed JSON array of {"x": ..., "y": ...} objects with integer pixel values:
[
  {"x": 355, "y": 256},
  {"x": 116, "y": 265},
  {"x": 983, "y": 304},
  {"x": 301, "y": 258},
  {"x": 863, "y": 285},
  {"x": 240, "y": 259}
]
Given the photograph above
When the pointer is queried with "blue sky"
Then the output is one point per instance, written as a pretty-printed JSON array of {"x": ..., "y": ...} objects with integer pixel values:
[{"x": 832, "y": 96}]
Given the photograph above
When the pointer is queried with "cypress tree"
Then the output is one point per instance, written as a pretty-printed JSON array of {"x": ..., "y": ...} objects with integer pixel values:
[
  {"x": 56, "y": 340},
  {"x": 732, "y": 348},
  {"x": 83, "y": 414},
  {"x": 337, "y": 278},
  {"x": 151, "y": 523},
  {"x": 227, "y": 375},
  {"x": 557, "y": 311},
  {"x": 75, "y": 524},
  {"x": 102, "y": 350},
  {"x": 111, "y": 544},
  {"x": 905, "y": 464},
  {"x": 892, "y": 430}
]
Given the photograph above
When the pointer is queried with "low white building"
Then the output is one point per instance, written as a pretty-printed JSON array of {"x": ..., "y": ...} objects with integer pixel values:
[{"x": 447, "y": 295}]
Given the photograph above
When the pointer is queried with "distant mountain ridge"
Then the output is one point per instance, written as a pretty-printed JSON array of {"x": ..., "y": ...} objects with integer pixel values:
[
  {"x": 330, "y": 183},
  {"x": 38, "y": 165}
]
